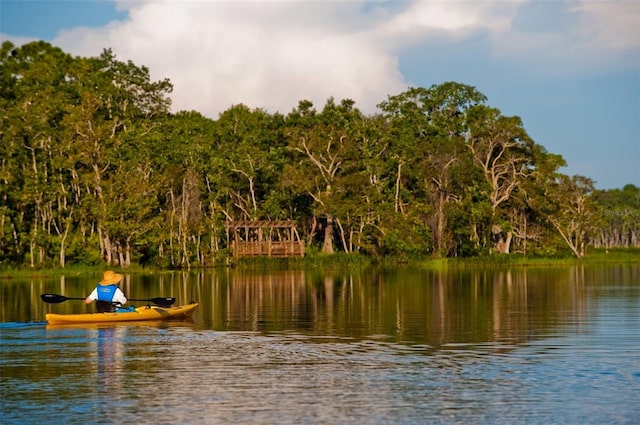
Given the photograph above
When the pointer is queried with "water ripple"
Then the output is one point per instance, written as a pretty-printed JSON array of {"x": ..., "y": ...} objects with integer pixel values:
[{"x": 178, "y": 374}]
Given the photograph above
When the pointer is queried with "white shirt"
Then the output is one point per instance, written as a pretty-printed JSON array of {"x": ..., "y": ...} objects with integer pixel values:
[{"x": 118, "y": 297}]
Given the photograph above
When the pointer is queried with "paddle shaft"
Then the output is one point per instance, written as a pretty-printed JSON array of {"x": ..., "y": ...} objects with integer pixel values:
[{"x": 55, "y": 299}]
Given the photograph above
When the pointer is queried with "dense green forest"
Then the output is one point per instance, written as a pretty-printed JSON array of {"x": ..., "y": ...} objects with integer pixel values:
[{"x": 95, "y": 169}]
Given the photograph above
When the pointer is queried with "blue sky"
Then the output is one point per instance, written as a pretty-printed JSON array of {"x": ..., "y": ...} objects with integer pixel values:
[{"x": 569, "y": 69}]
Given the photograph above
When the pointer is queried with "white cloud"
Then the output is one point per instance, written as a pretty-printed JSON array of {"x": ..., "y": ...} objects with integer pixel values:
[
  {"x": 263, "y": 54},
  {"x": 451, "y": 16},
  {"x": 271, "y": 54},
  {"x": 574, "y": 38},
  {"x": 610, "y": 24}
]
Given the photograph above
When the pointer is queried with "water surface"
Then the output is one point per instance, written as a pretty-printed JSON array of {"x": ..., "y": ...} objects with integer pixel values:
[{"x": 383, "y": 346}]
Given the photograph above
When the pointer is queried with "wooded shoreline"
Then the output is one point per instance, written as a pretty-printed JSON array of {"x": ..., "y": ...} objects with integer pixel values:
[
  {"x": 96, "y": 170},
  {"x": 346, "y": 262}
]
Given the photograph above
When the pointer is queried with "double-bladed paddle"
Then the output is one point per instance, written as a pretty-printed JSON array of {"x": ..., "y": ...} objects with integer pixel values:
[{"x": 55, "y": 299}]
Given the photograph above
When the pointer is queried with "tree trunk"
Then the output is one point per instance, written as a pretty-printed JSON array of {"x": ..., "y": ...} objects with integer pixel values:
[
  {"x": 501, "y": 240},
  {"x": 32, "y": 246},
  {"x": 107, "y": 247},
  {"x": 507, "y": 242},
  {"x": 440, "y": 223},
  {"x": 347, "y": 248},
  {"x": 127, "y": 253},
  {"x": 121, "y": 260},
  {"x": 567, "y": 238},
  {"x": 327, "y": 246},
  {"x": 63, "y": 241},
  {"x": 398, "y": 204},
  {"x": 62, "y": 251}
]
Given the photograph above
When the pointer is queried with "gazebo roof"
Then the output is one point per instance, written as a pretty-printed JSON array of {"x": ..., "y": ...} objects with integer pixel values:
[{"x": 261, "y": 224}]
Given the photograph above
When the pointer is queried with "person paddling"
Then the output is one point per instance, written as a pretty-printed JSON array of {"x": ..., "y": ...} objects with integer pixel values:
[{"x": 107, "y": 293}]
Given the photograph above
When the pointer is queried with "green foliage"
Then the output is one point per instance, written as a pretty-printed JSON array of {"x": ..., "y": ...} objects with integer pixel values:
[
  {"x": 83, "y": 252},
  {"x": 403, "y": 246},
  {"x": 94, "y": 169},
  {"x": 620, "y": 220}
]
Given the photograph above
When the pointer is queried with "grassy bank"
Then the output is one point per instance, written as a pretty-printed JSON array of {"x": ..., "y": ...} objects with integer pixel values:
[
  {"x": 73, "y": 270},
  {"x": 595, "y": 256},
  {"x": 343, "y": 260}
]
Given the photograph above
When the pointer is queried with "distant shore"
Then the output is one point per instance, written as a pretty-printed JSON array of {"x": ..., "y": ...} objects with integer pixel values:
[{"x": 340, "y": 260}]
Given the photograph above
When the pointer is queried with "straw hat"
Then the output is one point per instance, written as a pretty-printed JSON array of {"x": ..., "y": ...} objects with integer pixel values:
[{"x": 110, "y": 278}]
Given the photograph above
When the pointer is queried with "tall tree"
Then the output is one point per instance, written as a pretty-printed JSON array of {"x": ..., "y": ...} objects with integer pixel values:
[
  {"x": 322, "y": 143},
  {"x": 111, "y": 98},
  {"x": 250, "y": 154},
  {"x": 529, "y": 208},
  {"x": 34, "y": 79},
  {"x": 572, "y": 211},
  {"x": 621, "y": 213},
  {"x": 185, "y": 154},
  {"x": 503, "y": 150},
  {"x": 429, "y": 127}
]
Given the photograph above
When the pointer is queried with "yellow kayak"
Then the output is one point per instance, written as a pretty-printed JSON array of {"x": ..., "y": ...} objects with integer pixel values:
[{"x": 147, "y": 312}]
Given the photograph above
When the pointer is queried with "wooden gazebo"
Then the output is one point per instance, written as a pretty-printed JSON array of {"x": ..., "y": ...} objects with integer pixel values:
[{"x": 264, "y": 238}]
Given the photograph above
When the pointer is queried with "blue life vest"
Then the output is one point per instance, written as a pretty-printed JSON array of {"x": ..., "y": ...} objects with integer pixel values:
[{"x": 106, "y": 292}]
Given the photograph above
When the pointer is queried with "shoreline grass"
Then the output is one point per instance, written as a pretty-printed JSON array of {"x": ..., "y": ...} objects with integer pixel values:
[
  {"x": 342, "y": 260},
  {"x": 594, "y": 257}
]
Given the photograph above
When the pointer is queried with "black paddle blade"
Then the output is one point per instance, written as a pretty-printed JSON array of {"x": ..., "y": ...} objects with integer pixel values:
[
  {"x": 164, "y": 302},
  {"x": 53, "y": 298}
]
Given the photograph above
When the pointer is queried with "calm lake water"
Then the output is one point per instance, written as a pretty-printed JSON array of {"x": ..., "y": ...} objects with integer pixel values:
[{"x": 375, "y": 346}]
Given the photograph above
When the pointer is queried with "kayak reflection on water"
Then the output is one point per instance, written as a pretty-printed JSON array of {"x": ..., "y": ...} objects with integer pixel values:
[{"x": 110, "y": 354}]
